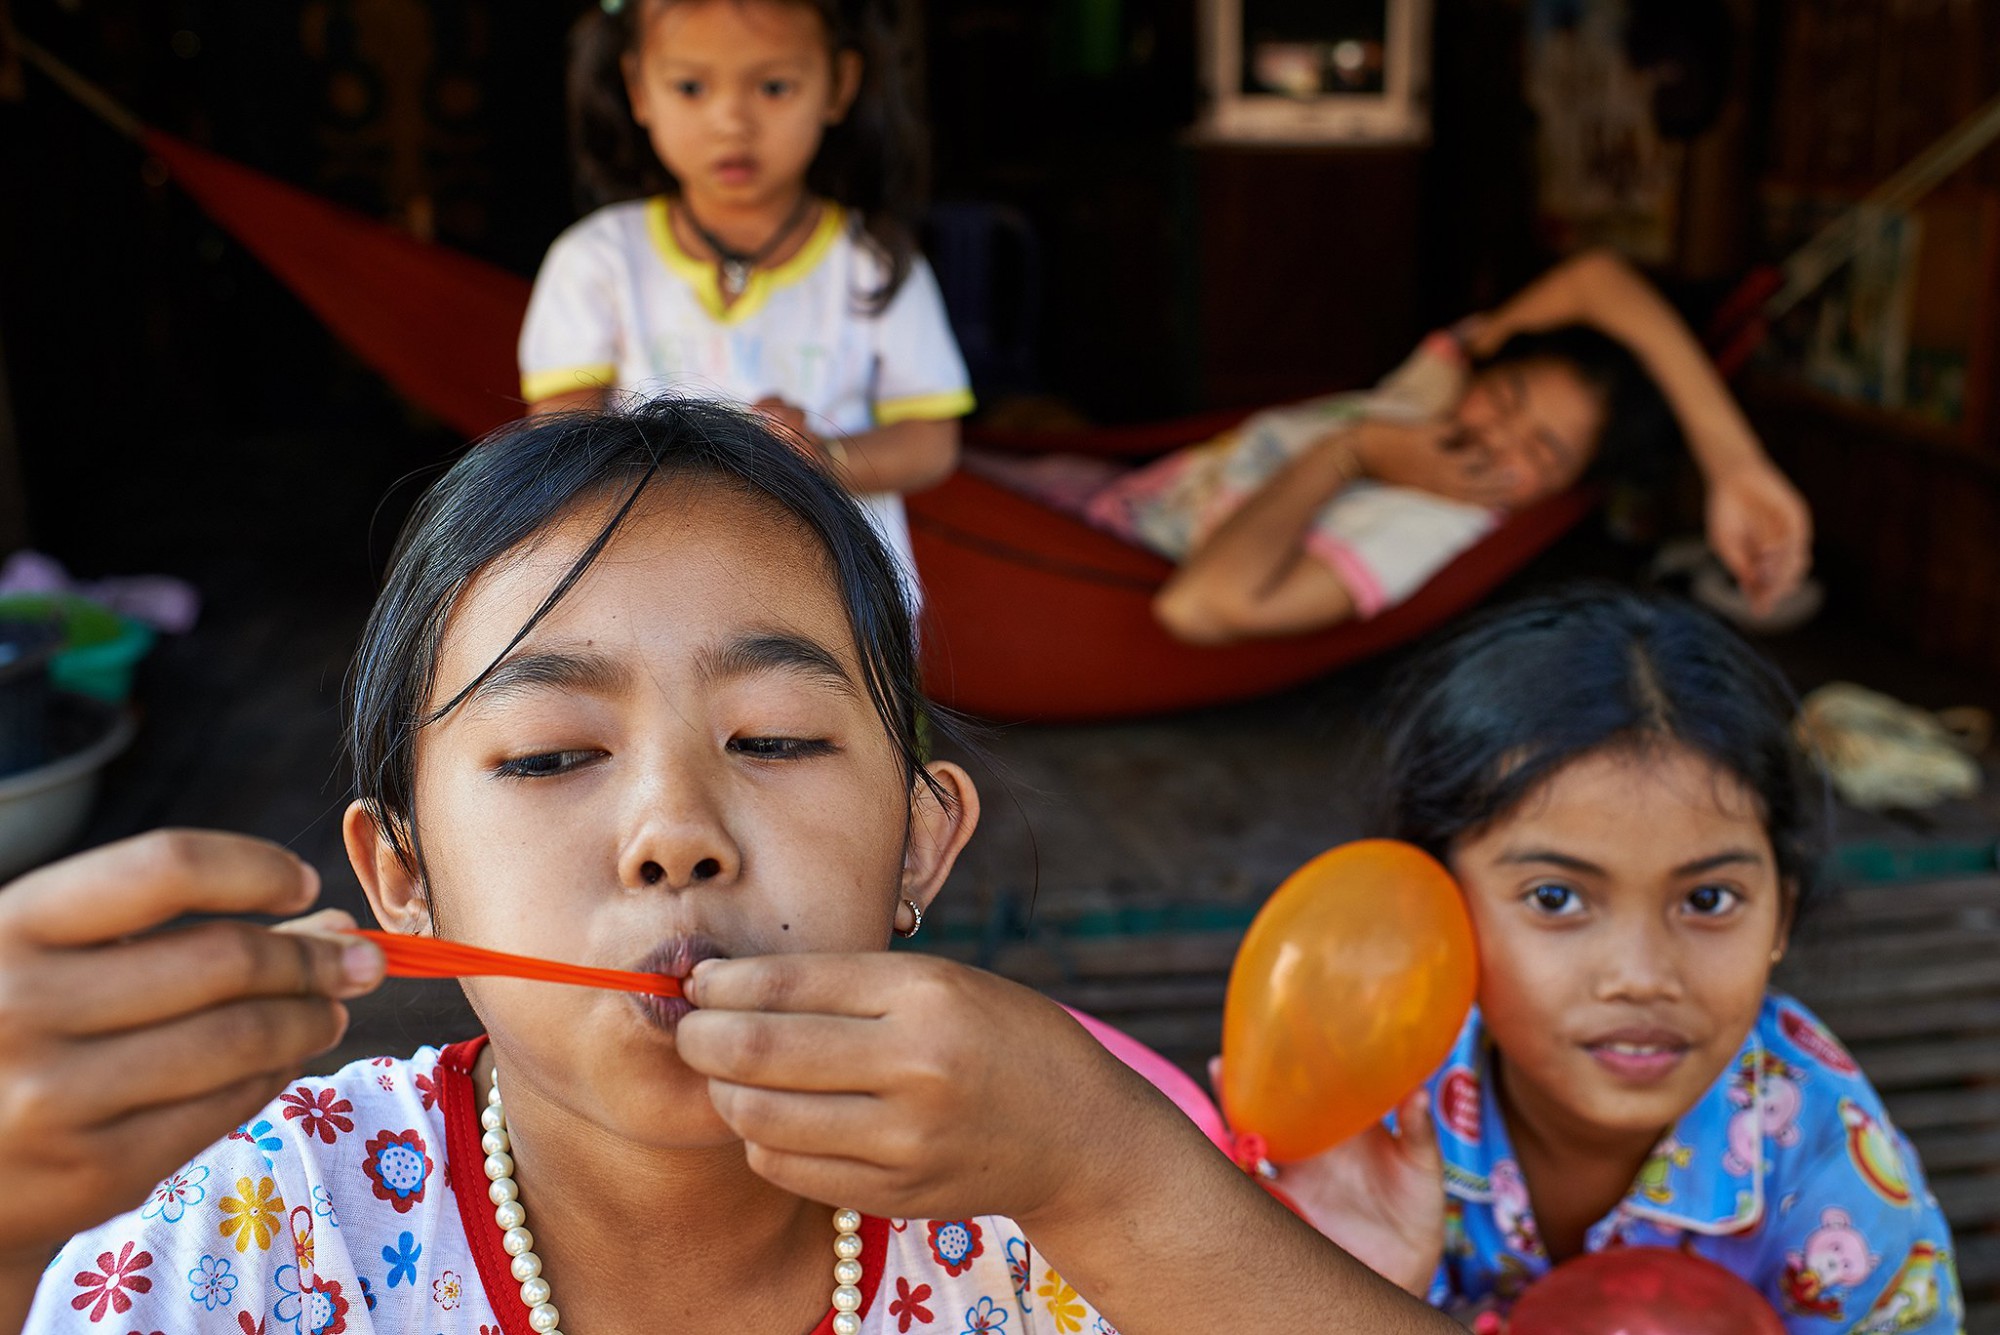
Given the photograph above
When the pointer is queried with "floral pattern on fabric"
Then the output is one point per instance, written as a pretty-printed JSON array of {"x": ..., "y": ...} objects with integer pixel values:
[
  {"x": 402, "y": 1259},
  {"x": 399, "y": 1168},
  {"x": 1017, "y": 1269},
  {"x": 321, "y": 1113},
  {"x": 985, "y": 1317},
  {"x": 283, "y": 1232},
  {"x": 908, "y": 1305},
  {"x": 172, "y": 1197},
  {"x": 1787, "y": 1172},
  {"x": 323, "y": 1308},
  {"x": 955, "y": 1244},
  {"x": 1064, "y": 1307},
  {"x": 252, "y": 1214},
  {"x": 261, "y": 1134},
  {"x": 110, "y": 1287},
  {"x": 427, "y": 1085},
  {"x": 211, "y": 1284}
]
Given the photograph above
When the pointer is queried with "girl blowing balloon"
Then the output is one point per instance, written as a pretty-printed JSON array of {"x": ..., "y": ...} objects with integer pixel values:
[
  {"x": 1615, "y": 783},
  {"x": 759, "y": 167},
  {"x": 640, "y": 693}
]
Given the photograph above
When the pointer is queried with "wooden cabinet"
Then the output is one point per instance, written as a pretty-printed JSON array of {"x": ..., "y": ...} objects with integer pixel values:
[{"x": 1304, "y": 268}]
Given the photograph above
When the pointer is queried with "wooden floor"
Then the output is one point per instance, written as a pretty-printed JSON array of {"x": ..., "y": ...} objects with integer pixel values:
[
  {"x": 1909, "y": 977},
  {"x": 1117, "y": 864}
]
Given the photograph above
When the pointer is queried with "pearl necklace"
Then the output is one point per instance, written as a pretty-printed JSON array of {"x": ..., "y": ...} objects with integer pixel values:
[{"x": 526, "y": 1267}]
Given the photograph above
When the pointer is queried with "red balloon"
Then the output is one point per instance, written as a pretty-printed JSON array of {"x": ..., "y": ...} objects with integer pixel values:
[{"x": 1643, "y": 1291}]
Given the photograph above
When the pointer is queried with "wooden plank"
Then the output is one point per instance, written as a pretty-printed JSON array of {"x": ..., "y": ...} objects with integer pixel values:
[
  {"x": 1892, "y": 949},
  {"x": 1849, "y": 988},
  {"x": 1978, "y": 1257},
  {"x": 1067, "y": 959},
  {"x": 1889, "y": 1020},
  {"x": 1884, "y": 903},
  {"x": 1968, "y": 1199},
  {"x": 1947, "y": 1151},
  {"x": 1976, "y": 1106},
  {"x": 1151, "y": 994},
  {"x": 1906, "y": 1065}
]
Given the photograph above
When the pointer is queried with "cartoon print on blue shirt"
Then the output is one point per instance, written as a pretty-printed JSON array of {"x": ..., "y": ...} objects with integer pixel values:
[
  {"x": 1913, "y": 1299},
  {"x": 1652, "y": 1183},
  {"x": 1874, "y": 1154},
  {"x": 1455, "y": 1241},
  {"x": 1835, "y": 1259},
  {"x": 1511, "y": 1209},
  {"x": 1768, "y": 1104},
  {"x": 1815, "y": 1040}
]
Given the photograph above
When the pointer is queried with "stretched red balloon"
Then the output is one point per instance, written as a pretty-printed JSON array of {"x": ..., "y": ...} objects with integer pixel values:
[
  {"x": 1346, "y": 994},
  {"x": 1643, "y": 1291}
]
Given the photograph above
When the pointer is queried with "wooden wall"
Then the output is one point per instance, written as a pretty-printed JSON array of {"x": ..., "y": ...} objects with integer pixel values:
[{"x": 1908, "y": 505}]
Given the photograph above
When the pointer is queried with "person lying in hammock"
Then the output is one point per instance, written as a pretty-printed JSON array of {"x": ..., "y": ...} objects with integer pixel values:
[{"x": 1339, "y": 507}]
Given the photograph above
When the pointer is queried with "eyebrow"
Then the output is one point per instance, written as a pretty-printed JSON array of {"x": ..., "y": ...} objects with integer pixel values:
[
  {"x": 773, "y": 652},
  {"x": 782, "y": 64},
  {"x": 1731, "y": 857},
  {"x": 549, "y": 670}
]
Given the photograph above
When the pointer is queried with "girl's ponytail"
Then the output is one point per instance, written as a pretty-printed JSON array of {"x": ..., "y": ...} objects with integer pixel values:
[
  {"x": 877, "y": 161},
  {"x": 614, "y": 158}
]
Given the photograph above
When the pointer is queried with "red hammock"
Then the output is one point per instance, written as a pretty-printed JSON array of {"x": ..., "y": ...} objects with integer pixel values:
[{"x": 1031, "y": 614}]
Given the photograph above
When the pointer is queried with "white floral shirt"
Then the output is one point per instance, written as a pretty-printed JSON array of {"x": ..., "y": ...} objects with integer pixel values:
[{"x": 357, "y": 1203}]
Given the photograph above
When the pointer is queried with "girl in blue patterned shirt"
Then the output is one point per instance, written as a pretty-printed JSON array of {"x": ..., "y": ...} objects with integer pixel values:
[{"x": 1615, "y": 783}]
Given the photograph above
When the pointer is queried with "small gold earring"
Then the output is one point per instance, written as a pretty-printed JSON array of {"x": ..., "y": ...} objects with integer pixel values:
[
  {"x": 1777, "y": 953},
  {"x": 917, "y": 925}
]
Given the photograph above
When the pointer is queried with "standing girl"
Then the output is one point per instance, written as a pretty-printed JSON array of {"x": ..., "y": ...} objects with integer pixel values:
[
  {"x": 1615, "y": 783},
  {"x": 759, "y": 167},
  {"x": 640, "y": 691}
]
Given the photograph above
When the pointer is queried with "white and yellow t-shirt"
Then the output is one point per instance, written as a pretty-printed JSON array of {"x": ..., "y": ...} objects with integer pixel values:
[{"x": 619, "y": 304}]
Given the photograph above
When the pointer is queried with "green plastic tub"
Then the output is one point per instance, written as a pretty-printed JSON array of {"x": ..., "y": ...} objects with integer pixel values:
[{"x": 100, "y": 650}]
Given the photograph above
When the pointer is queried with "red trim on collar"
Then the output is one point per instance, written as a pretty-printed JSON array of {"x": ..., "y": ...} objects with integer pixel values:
[{"x": 465, "y": 1169}]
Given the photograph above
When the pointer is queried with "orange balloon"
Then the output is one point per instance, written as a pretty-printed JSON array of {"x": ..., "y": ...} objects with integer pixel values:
[{"x": 1346, "y": 994}]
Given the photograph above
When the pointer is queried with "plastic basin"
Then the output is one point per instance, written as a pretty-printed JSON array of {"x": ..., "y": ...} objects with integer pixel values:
[{"x": 43, "y": 809}]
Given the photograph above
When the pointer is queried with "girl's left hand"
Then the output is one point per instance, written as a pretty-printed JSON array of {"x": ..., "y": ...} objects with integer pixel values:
[
  {"x": 1380, "y": 1195},
  {"x": 790, "y": 419},
  {"x": 909, "y": 1086},
  {"x": 1762, "y": 529}
]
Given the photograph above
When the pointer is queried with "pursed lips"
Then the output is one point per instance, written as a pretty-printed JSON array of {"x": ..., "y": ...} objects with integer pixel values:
[{"x": 676, "y": 958}]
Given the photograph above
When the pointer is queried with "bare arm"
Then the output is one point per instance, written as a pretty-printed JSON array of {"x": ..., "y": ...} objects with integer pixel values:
[
  {"x": 902, "y": 457},
  {"x": 1253, "y": 576},
  {"x": 1600, "y": 290},
  {"x": 1757, "y": 521},
  {"x": 980, "y": 1097}
]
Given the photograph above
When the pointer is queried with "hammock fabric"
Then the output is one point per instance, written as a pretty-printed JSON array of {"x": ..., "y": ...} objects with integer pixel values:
[{"x": 1030, "y": 614}]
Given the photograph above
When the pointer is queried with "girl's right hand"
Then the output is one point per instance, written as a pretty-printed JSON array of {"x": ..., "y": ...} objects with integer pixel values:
[
  {"x": 788, "y": 417},
  {"x": 124, "y": 1050},
  {"x": 1432, "y": 457},
  {"x": 1379, "y": 1194}
]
